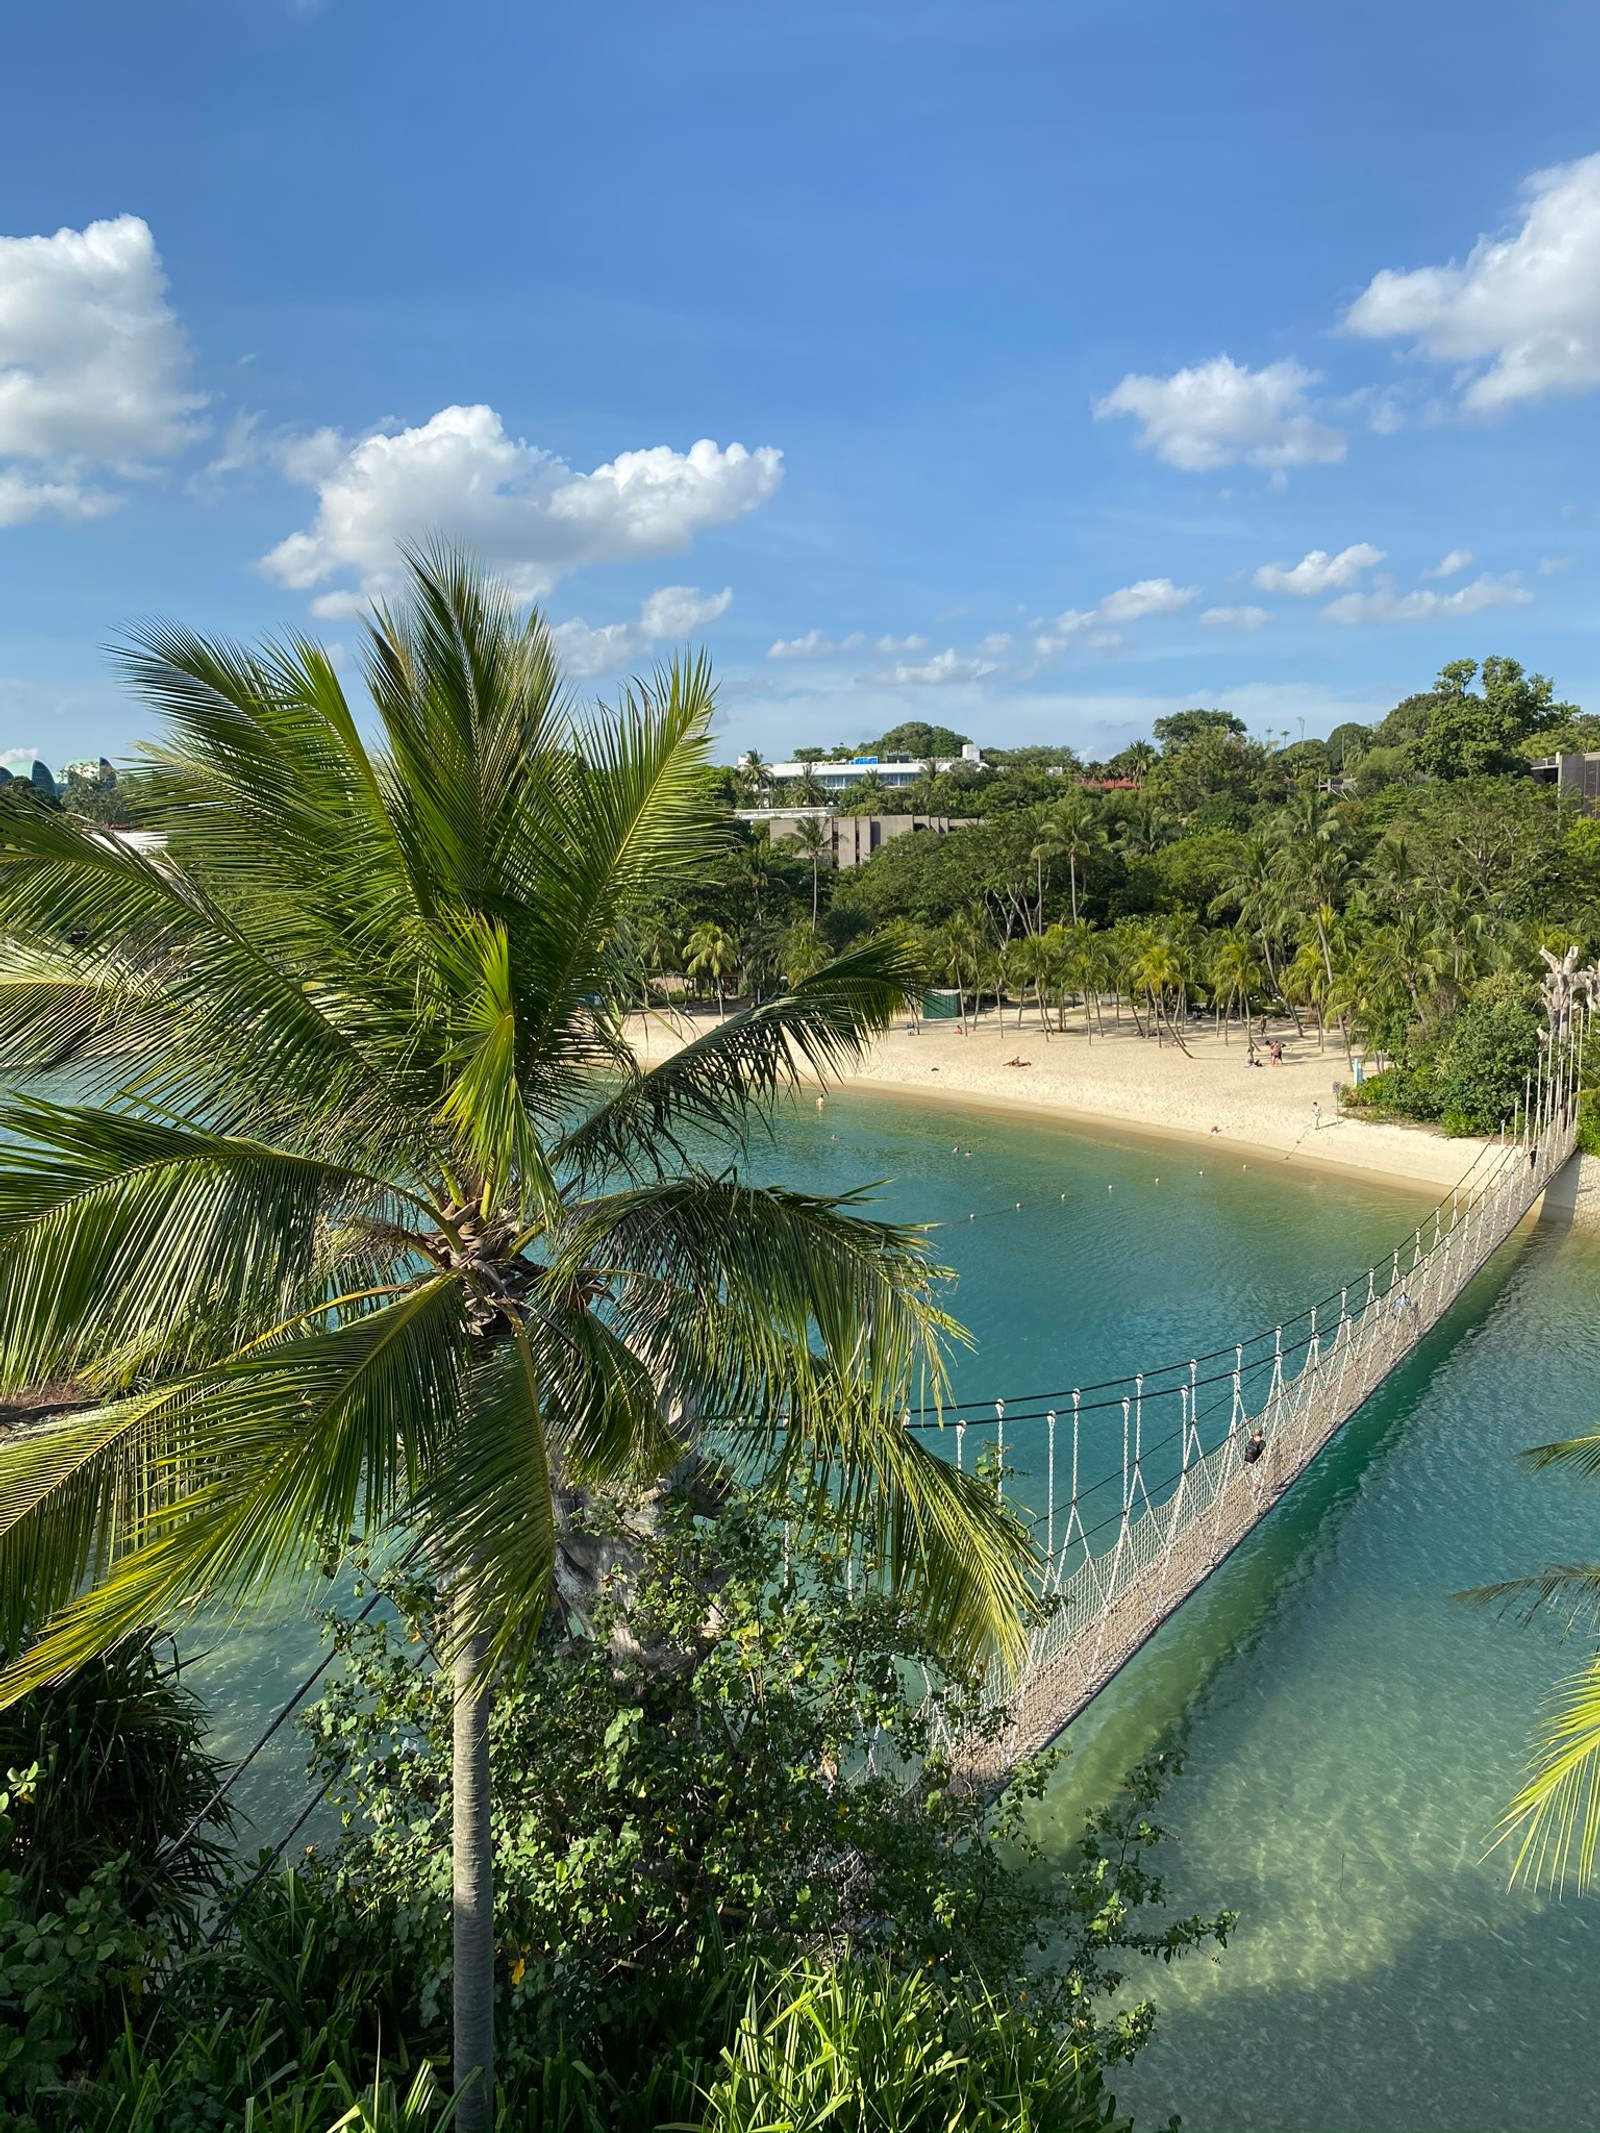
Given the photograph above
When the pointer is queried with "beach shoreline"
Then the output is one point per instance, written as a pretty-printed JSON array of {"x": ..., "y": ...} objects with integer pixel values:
[{"x": 1203, "y": 1096}]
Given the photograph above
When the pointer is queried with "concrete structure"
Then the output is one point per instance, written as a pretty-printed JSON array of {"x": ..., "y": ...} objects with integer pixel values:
[
  {"x": 892, "y": 771},
  {"x": 854, "y": 837},
  {"x": 1576, "y": 774}
]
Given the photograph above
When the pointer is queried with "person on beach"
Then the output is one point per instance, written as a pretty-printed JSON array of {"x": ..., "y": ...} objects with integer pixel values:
[{"x": 1316, "y": 1116}]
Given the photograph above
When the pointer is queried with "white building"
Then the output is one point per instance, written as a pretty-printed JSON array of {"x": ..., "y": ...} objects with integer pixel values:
[{"x": 892, "y": 771}]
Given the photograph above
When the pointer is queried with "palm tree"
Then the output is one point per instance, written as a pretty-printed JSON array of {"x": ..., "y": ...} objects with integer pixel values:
[
  {"x": 814, "y": 836},
  {"x": 1235, "y": 976},
  {"x": 1141, "y": 758},
  {"x": 1072, "y": 831},
  {"x": 1256, "y": 892},
  {"x": 755, "y": 774},
  {"x": 1078, "y": 963},
  {"x": 711, "y": 950},
  {"x": 1156, "y": 970},
  {"x": 956, "y": 949},
  {"x": 1306, "y": 983},
  {"x": 808, "y": 787},
  {"x": 1026, "y": 961},
  {"x": 365, "y": 1220}
]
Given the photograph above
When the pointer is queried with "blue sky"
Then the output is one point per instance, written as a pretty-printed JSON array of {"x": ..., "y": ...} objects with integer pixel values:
[{"x": 1035, "y": 367}]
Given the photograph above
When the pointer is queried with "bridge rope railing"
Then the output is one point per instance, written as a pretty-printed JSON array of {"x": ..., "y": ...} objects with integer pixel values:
[{"x": 1205, "y": 1454}]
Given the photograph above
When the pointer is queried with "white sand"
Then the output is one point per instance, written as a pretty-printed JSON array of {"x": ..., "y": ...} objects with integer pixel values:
[{"x": 1205, "y": 1094}]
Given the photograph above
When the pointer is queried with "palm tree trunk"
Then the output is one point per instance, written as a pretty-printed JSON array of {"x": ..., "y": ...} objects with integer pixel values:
[
  {"x": 815, "y": 862},
  {"x": 1072, "y": 862},
  {"x": 472, "y": 1891}
]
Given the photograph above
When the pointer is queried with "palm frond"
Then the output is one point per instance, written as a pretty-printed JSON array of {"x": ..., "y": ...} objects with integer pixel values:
[
  {"x": 127, "y": 1241},
  {"x": 487, "y": 1515},
  {"x": 725, "y": 1079},
  {"x": 1574, "y": 1586},
  {"x": 1554, "y": 1821},
  {"x": 1581, "y": 1452},
  {"x": 779, "y": 1270},
  {"x": 249, "y": 1475},
  {"x": 949, "y": 1547},
  {"x": 484, "y": 1104}
]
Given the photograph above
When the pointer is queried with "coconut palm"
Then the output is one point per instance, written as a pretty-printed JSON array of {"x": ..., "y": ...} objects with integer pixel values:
[
  {"x": 712, "y": 951},
  {"x": 1235, "y": 977},
  {"x": 814, "y": 836},
  {"x": 1156, "y": 971},
  {"x": 1078, "y": 963},
  {"x": 1026, "y": 961},
  {"x": 364, "y": 1219},
  {"x": 1072, "y": 830}
]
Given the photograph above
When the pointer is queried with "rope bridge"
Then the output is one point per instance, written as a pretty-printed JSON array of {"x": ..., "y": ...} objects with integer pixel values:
[{"x": 1210, "y": 1445}]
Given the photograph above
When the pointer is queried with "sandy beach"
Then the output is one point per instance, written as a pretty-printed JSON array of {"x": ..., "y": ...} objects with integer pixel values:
[{"x": 1205, "y": 1094}]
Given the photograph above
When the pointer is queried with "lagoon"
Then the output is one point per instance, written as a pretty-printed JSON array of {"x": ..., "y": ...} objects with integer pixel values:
[{"x": 1349, "y": 1732}]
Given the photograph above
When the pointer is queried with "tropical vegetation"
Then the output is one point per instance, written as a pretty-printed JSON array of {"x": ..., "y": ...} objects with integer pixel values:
[{"x": 352, "y": 1217}]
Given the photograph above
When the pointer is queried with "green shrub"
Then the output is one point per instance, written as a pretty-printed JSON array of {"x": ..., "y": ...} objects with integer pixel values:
[
  {"x": 1396, "y": 1092},
  {"x": 1488, "y": 1052},
  {"x": 123, "y": 1771},
  {"x": 719, "y": 1789},
  {"x": 858, "y": 2047}
]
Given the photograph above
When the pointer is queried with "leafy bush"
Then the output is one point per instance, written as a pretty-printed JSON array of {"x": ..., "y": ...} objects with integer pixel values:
[
  {"x": 123, "y": 1770},
  {"x": 1490, "y": 1049},
  {"x": 859, "y": 2047},
  {"x": 65, "y": 1966},
  {"x": 726, "y": 1817},
  {"x": 1397, "y": 1092},
  {"x": 737, "y": 1766}
]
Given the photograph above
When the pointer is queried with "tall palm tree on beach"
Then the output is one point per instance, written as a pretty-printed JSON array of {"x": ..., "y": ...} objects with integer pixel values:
[
  {"x": 712, "y": 951},
  {"x": 364, "y": 1219},
  {"x": 1235, "y": 975}
]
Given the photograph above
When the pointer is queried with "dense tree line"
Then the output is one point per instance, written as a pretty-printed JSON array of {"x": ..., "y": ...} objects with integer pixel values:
[{"x": 1370, "y": 885}]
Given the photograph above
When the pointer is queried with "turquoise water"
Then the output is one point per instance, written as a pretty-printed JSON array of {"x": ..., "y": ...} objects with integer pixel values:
[{"x": 1350, "y": 1733}]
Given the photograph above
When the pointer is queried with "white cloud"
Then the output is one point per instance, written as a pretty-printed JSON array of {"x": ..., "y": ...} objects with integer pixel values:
[
  {"x": 814, "y": 645},
  {"x": 1319, "y": 572},
  {"x": 527, "y": 513},
  {"x": 22, "y": 759},
  {"x": 1221, "y": 412},
  {"x": 1452, "y": 565},
  {"x": 1129, "y": 603},
  {"x": 1386, "y": 605},
  {"x": 1523, "y": 312},
  {"x": 942, "y": 668},
  {"x": 673, "y": 611},
  {"x": 900, "y": 644},
  {"x": 1551, "y": 565},
  {"x": 22, "y": 499},
  {"x": 995, "y": 645},
  {"x": 1233, "y": 618},
  {"x": 94, "y": 367},
  {"x": 1151, "y": 596}
]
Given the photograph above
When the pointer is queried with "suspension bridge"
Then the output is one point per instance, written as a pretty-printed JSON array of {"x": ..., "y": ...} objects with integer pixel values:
[{"x": 1211, "y": 1444}]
